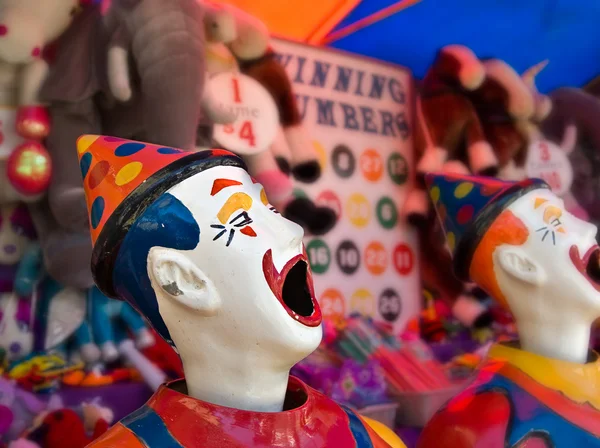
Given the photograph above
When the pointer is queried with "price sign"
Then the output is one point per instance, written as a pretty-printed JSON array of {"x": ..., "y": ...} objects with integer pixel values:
[
  {"x": 348, "y": 257},
  {"x": 319, "y": 256},
  {"x": 403, "y": 259},
  {"x": 329, "y": 199},
  {"x": 376, "y": 258},
  {"x": 9, "y": 139},
  {"x": 550, "y": 163},
  {"x": 257, "y": 119},
  {"x": 363, "y": 302},
  {"x": 332, "y": 305}
]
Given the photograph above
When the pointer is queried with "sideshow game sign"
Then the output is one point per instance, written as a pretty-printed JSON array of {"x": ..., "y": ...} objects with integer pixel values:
[{"x": 358, "y": 113}]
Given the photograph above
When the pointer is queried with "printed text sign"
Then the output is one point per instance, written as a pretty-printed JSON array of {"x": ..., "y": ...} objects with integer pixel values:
[
  {"x": 359, "y": 118},
  {"x": 257, "y": 118}
]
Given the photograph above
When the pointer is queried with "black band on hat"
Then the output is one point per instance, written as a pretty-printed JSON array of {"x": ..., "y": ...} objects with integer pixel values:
[
  {"x": 111, "y": 237},
  {"x": 472, "y": 237}
]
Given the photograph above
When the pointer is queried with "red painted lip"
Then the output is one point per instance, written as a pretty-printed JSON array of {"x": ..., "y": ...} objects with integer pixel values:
[
  {"x": 582, "y": 263},
  {"x": 276, "y": 279}
]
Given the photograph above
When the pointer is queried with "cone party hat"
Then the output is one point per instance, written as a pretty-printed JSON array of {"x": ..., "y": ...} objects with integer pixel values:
[
  {"x": 467, "y": 206},
  {"x": 121, "y": 178}
]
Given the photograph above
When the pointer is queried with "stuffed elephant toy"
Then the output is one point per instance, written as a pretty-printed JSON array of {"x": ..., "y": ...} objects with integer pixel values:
[
  {"x": 27, "y": 27},
  {"x": 133, "y": 70}
]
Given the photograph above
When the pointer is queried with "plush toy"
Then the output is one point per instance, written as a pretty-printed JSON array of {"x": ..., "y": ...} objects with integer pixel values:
[
  {"x": 111, "y": 321},
  {"x": 448, "y": 127},
  {"x": 136, "y": 71},
  {"x": 38, "y": 306},
  {"x": 70, "y": 428},
  {"x": 18, "y": 408},
  {"x": 292, "y": 152},
  {"x": 27, "y": 27},
  {"x": 572, "y": 124}
]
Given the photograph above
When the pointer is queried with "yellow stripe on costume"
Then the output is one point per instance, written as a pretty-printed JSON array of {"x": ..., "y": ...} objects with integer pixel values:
[
  {"x": 579, "y": 382},
  {"x": 384, "y": 432}
]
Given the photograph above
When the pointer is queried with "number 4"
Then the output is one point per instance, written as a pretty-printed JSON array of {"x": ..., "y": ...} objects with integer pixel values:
[{"x": 247, "y": 133}]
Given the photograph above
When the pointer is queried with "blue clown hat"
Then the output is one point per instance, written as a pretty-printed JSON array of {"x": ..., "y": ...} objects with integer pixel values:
[{"x": 467, "y": 206}]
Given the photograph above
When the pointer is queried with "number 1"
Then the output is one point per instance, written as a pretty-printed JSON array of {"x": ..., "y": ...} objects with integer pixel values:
[{"x": 236, "y": 91}]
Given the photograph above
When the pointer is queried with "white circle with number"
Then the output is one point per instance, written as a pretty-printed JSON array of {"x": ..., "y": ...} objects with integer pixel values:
[
  {"x": 257, "y": 118},
  {"x": 549, "y": 162}
]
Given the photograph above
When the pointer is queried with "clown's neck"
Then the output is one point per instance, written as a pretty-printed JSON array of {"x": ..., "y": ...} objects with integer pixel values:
[
  {"x": 565, "y": 340},
  {"x": 240, "y": 382}
]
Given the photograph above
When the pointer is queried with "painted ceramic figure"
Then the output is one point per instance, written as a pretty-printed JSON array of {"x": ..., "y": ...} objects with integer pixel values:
[
  {"x": 191, "y": 241},
  {"x": 517, "y": 241}
]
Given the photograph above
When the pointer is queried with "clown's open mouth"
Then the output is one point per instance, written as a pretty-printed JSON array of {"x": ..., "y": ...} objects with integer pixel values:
[
  {"x": 293, "y": 287},
  {"x": 589, "y": 265}
]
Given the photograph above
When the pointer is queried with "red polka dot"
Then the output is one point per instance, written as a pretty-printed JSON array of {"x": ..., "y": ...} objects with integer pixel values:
[
  {"x": 465, "y": 214},
  {"x": 36, "y": 52},
  {"x": 3, "y": 30},
  {"x": 98, "y": 174}
]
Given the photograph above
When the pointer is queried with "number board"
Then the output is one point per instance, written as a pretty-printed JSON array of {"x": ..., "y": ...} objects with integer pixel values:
[
  {"x": 358, "y": 114},
  {"x": 257, "y": 118},
  {"x": 549, "y": 162}
]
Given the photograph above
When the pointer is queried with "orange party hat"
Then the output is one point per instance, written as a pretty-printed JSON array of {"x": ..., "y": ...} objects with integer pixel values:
[{"x": 121, "y": 178}]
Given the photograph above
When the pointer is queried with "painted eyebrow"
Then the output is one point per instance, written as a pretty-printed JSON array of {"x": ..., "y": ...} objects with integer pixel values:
[
  {"x": 220, "y": 184},
  {"x": 235, "y": 202}
]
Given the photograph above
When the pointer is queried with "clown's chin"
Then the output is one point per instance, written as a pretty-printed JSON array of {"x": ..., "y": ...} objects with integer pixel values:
[{"x": 295, "y": 293}]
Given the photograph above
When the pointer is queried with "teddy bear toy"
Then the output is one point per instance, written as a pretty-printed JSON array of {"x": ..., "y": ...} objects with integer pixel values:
[
  {"x": 240, "y": 42},
  {"x": 448, "y": 129}
]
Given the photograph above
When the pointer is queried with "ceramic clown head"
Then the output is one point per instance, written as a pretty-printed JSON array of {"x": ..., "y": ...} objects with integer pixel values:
[
  {"x": 517, "y": 241},
  {"x": 191, "y": 241}
]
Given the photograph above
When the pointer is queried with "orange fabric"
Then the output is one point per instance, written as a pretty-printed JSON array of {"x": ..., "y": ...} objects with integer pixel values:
[
  {"x": 117, "y": 437},
  {"x": 506, "y": 229},
  {"x": 302, "y": 21}
]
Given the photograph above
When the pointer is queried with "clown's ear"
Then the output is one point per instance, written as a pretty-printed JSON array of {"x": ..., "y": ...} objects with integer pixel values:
[
  {"x": 176, "y": 277},
  {"x": 517, "y": 263}
]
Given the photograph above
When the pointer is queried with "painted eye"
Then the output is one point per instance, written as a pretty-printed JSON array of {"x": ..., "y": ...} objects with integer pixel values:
[
  {"x": 241, "y": 220},
  {"x": 274, "y": 210}
]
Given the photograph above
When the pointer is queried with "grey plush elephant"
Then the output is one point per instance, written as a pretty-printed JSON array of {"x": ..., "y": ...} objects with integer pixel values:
[{"x": 134, "y": 71}]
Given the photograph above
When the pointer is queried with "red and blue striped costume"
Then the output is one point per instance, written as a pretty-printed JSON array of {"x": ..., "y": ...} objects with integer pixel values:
[
  {"x": 172, "y": 419},
  {"x": 522, "y": 400}
]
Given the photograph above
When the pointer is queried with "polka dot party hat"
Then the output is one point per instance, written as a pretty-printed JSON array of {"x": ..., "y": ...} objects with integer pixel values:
[
  {"x": 122, "y": 177},
  {"x": 467, "y": 205}
]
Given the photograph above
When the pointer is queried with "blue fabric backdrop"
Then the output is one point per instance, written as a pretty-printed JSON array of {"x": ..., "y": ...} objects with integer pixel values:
[{"x": 521, "y": 32}]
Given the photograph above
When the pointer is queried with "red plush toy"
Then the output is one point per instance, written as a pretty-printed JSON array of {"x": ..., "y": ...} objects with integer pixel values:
[
  {"x": 448, "y": 129},
  {"x": 65, "y": 428}
]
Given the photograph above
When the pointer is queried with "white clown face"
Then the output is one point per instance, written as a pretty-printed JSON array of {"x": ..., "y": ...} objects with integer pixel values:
[
  {"x": 257, "y": 263},
  {"x": 560, "y": 256}
]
